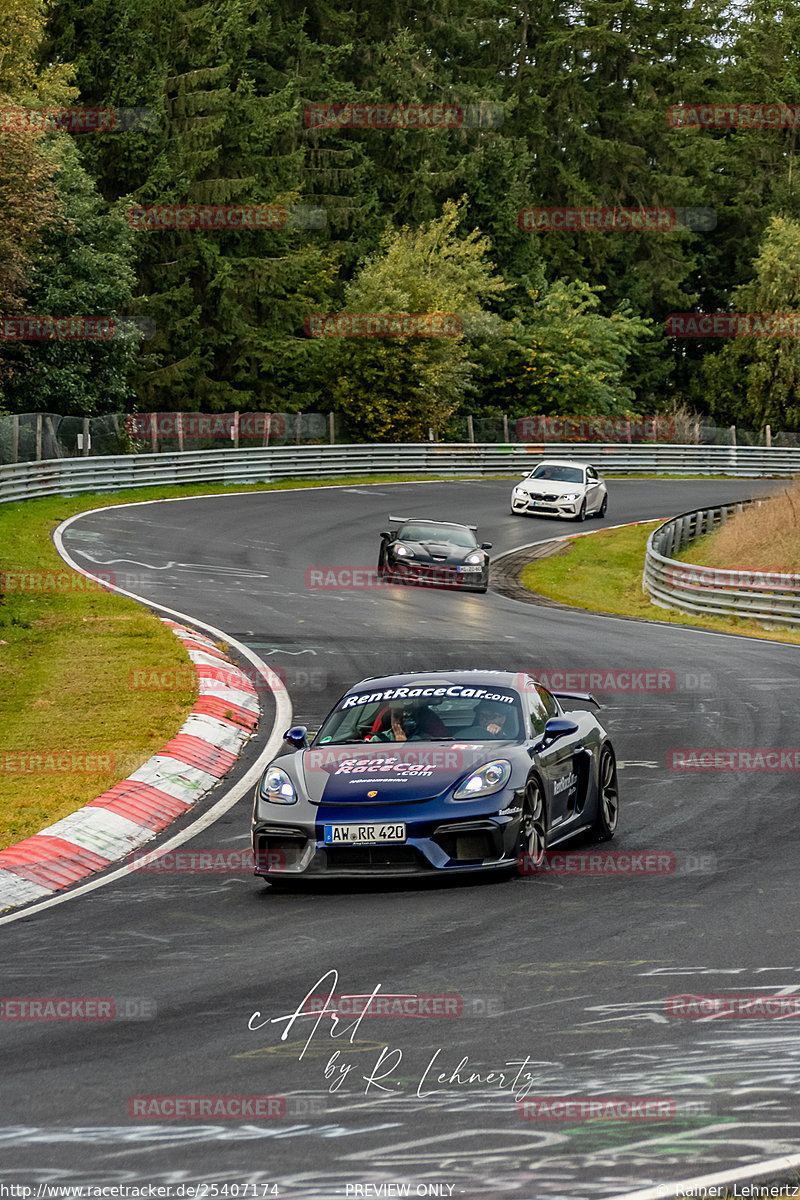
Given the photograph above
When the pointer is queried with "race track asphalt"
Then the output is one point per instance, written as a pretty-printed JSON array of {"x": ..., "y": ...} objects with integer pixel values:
[{"x": 565, "y": 976}]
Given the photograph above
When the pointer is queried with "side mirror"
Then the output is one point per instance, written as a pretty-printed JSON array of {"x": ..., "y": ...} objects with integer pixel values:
[
  {"x": 557, "y": 727},
  {"x": 386, "y": 534},
  {"x": 486, "y": 545},
  {"x": 296, "y": 736}
]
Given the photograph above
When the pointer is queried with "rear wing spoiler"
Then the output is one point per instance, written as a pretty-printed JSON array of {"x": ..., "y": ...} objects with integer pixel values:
[
  {"x": 427, "y": 521},
  {"x": 586, "y": 697}
]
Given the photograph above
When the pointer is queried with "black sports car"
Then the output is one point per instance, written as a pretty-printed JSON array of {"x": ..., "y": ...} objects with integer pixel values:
[
  {"x": 444, "y": 771},
  {"x": 434, "y": 552}
]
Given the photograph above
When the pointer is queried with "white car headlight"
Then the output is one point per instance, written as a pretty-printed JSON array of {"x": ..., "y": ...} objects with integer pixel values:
[
  {"x": 490, "y": 778},
  {"x": 277, "y": 787},
  {"x": 403, "y": 551},
  {"x": 519, "y": 493},
  {"x": 569, "y": 496},
  {"x": 475, "y": 558}
]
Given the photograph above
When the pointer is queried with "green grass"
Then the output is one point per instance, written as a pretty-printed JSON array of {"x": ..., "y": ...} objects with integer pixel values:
[
  {"x": 64, "y": 663},
  {"x": 602, "y": 572}
]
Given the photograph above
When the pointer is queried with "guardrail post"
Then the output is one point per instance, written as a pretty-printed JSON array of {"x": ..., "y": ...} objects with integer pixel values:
[
  {"x": 299, "y": 428},
  {"x": 767, "y": 435},
  {"x": 721, "y": 591},
  {"x": 15, "y": 438},
  {"x": 109, "y": 471},
  {"x": 505, "y": 427},
  {"x": 470, "y": 430},
  {"x": 331, "y": 430},
  {"x": 38, "y": 437},
  {"x": 85, "y": 449},
  {"x": 179, "y": 430}
]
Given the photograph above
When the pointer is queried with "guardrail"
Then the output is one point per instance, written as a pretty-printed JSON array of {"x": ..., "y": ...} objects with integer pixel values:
[
  {"x": 69, "y": 476},
  {"x": 769, "y": 597}
]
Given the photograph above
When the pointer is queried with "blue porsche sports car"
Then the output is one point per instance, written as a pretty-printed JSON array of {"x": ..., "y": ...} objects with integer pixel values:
[{"x": 431, "y": 773}]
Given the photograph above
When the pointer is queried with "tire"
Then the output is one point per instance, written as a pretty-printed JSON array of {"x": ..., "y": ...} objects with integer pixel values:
[
  {"x": 581, "y": 513},
  {"x": 601, "y": 512},
  {"x": 607, "y": 797},
  {"x": 533, "y": 829}
]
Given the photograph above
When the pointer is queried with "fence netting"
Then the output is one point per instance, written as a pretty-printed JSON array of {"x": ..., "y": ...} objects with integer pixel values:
[{"x": 29, "y": 437}]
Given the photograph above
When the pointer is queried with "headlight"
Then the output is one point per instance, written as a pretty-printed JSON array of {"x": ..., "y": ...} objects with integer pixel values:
[
  {"x": 569, "y": 496},
  {"x": 519, "y": 493},
  {"x": 488, "y": 779},
  {"x": 475, "y": 558},
  {"x": 277, "y": 787},
  {"x": 403, "y": 551}
]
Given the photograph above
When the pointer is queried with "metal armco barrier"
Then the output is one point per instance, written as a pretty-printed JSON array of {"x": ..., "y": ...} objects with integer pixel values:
[
  {"x": 69, "y": 476},
  {"x": 769, "y": 597}
]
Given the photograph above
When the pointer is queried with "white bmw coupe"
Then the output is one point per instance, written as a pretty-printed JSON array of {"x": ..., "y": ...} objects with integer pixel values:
[{"x": 560, "y": 488}]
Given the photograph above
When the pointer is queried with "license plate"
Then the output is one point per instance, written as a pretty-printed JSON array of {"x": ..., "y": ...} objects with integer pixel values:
[
  {"x": 463, "y": 570},
  {"x": 361, "y": 835}
]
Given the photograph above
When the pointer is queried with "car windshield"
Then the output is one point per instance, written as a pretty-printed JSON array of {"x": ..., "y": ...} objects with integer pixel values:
[
  {"x": 429, "y": 713},
  {"x": 558, "y": 474},
  {"x": 423, "y": 532}
]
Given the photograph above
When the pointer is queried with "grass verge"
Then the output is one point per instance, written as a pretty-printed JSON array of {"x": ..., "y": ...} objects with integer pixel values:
[
  {"x": 602, "y": 572},
  {"x": 764, "y": 537},
  {"x": 70, "y": 724}
]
